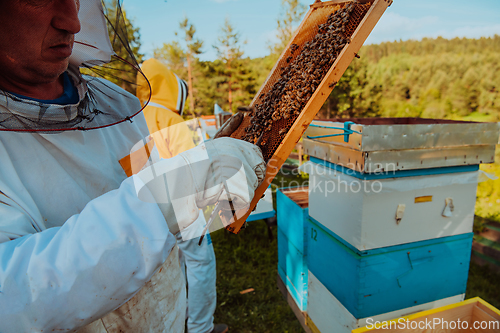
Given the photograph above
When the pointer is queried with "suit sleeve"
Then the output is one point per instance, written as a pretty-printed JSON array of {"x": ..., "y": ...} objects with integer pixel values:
[{"x": 66, "y": 277}]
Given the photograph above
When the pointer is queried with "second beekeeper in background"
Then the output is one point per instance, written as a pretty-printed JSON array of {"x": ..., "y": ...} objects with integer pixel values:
[{"x": 172, "y": 137}]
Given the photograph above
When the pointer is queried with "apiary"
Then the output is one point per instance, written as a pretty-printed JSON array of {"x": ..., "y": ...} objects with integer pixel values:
[
  {"x": 470, "y": 316},
  {"x": 293, "y": 231},
  {"x": 318, "y": 54},
  {"x": 325, "y": 314},
  {"x": 374, "y": 282}
]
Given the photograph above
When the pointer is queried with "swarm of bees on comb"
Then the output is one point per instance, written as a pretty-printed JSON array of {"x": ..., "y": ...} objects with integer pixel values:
[{"x": 299, "y": 78}]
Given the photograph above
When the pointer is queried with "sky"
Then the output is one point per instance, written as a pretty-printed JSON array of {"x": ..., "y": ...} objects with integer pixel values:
[{"x": 255, "y": 20}]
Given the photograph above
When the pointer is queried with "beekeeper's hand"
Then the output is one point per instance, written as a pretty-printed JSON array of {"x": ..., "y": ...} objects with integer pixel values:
[
  {"x": 221, "y": 169},
  {"x": 232, "y": 123}
]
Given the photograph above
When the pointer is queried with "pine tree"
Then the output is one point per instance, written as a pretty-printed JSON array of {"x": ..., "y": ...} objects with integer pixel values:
[
  {"x": 291, "y": 15},
  {"x": 174, "y": 57},
  {"x": 194, "y": 46},
  {"x": 125, "y": 40},
  {"x": 236, "y": 77}
]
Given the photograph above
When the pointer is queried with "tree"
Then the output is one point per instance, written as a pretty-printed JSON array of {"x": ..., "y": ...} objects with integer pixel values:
[
  {"x": 194, "y": 46},
  {"x": 353, "y": 96},
  {"x": 233, "y": 71},
  {"x": 174, "y": 57},
  {"x": 125, "y": 40},
  {"x": 291, "y": 14},
  {"x": 436, "y": 78}
]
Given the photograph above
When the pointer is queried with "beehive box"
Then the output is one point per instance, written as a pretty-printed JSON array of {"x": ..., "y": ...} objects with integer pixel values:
[
  {"x": 471, "y": 316},
  {"x": 325, "y": 314},
  {"x": 373, "y": 282},
  {"x": 318, "y": 54},
  {"x": 372, "y": 211},
  {"x": 292, "y": 204},
  {"x": 292, "y": 241},
  {"x": 292, "y": 269},
  {"x": 392, "y": 144},
  {"x": 264, "y": 208}
]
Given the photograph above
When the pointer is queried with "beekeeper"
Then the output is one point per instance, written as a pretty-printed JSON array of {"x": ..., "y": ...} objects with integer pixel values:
[
  {"x": 167, "y": 94},
  {"x": 82, "y": 246}
]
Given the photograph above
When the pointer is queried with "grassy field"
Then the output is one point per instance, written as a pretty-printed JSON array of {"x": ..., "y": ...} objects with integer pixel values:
[
  {"x": 488, "y": 191},
  {"x": 249, "y": 260},
  {"x": 244, "y": 261}
]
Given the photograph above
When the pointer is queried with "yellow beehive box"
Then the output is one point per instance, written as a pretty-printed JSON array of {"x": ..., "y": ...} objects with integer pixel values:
[{"x": 473, "y": 315}]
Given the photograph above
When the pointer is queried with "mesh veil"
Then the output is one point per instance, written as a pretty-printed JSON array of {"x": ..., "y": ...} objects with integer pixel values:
[{"x": 95, "y": 57}]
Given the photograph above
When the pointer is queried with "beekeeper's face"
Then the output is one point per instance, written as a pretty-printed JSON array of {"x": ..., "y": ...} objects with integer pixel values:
[{"x": 36, "y": 39}]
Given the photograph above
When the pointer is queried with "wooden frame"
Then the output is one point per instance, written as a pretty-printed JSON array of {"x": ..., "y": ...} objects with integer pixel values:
[{"x": 314, "y": 104}]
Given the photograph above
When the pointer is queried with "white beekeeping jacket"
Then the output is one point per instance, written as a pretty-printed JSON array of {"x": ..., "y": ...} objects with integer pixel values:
[{"x": 75, "y": 241}]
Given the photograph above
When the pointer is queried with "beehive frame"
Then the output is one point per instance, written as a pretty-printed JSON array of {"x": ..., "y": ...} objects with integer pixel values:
[{"x": 276, "y": 146}]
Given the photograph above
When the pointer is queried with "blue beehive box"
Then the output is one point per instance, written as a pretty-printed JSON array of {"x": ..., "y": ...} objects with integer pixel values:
[
  {"x": 292, "y": 205},
  {"x": 292, "y": 269},
  {"x": 377, "y": 281},
  {"x": 293, "y": 224}
]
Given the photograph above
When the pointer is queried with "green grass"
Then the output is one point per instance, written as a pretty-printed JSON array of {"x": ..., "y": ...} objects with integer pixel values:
[
  {"x": 249, "y": 260},
  {"x": 484, "y": 283},
  {"x": 480, "y": 117},
  {"x": 488, "y": 192}
]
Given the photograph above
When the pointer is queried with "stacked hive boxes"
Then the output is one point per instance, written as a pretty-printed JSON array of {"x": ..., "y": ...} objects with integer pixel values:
[
  {"x": 292, "y": 209},
  {"x": 391, "y": 204}
]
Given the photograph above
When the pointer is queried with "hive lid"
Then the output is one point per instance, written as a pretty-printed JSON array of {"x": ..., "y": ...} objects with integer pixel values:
[
  {"x": 393, "y": 144},
  {"x": 377, "y": 134}
]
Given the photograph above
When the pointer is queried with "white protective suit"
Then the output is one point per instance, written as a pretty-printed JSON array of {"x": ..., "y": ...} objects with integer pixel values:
[{"x": 76, "y": 241}]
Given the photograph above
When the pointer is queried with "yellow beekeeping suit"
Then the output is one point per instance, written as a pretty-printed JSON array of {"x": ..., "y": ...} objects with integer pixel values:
[{"x": 168, "y": 94}]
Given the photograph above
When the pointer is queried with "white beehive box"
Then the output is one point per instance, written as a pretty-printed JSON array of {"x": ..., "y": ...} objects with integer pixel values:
[
  {"x": 377, "y": 213},
  {"x": 325, "y": 314}
]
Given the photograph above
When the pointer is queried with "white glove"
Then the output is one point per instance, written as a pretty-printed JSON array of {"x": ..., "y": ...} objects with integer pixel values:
[{"x": 223, "y": 169}]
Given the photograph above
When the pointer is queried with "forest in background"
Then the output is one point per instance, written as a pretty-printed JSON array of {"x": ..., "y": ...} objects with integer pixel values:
[{"x": 433, "y": 78}]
